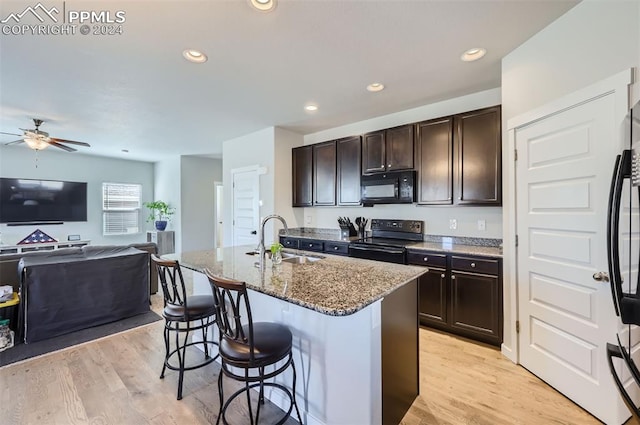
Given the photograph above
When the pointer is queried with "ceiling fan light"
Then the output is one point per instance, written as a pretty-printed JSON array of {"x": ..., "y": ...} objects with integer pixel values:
[{"x": 36, "y": 144}]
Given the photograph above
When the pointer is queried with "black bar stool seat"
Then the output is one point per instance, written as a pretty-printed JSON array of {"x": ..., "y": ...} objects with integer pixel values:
[
  {"x": 247, "y": 350},
  {"x": 183, "y": 314}
]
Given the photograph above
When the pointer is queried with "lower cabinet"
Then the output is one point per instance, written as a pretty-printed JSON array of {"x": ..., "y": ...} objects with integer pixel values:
[
  {"x": 317, "y": 245},
  {"x": 463, "y": 297}
]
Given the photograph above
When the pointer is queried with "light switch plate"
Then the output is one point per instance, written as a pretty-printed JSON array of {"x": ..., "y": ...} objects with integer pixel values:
[
  {"x": 482, "y": 225},
  {"x": 453, "y": 224}
]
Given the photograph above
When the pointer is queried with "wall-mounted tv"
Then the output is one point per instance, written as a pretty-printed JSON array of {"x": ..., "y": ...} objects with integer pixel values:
[{"x": 26, "y": 200}]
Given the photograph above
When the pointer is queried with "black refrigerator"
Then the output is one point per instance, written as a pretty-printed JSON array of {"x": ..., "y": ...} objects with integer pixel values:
[{"x": 623, "y": 247}]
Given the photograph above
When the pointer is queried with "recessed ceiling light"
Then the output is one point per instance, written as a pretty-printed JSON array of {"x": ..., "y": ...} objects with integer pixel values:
[
  {"x": 473, "y": 54},
  {"x": 311, "y": 108},
  {"x": 263, "y": 5},
  {"x": 195, "y": 56},
  {"x": 374, "y": 87}
]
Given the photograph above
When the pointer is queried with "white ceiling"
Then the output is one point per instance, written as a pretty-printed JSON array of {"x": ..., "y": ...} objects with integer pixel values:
[{"x": 135, "y": 91}]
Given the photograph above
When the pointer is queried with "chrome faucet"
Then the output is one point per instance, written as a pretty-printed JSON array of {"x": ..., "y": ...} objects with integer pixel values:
[{"x": 261, "y": 248}]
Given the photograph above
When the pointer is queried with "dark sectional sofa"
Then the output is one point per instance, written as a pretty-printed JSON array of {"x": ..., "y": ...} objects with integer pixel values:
[{"x": 75, "y": 288}]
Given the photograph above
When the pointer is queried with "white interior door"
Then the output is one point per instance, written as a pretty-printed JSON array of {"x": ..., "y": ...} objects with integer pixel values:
[
  {"x": 563, "y": 172},
  {"x": 219, "y": 197},
  {"x": 246, "y": 210}
]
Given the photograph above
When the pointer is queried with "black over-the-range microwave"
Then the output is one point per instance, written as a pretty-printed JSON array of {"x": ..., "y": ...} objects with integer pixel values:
[{"x": 388, "y": 188}]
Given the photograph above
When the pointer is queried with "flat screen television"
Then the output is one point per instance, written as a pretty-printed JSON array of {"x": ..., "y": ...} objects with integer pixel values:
[{"x": 26, "y": 200}]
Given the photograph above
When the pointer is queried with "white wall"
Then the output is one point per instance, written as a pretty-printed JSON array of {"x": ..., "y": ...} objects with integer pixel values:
[
  {"x": 436, "y": 218},
  {"x": 592, "y": 41},
  {"x": 17, "y": 161},
  {"x": 284, "y": 142},
  {"x": 167, "y": 177},
  {"x": 252, "y": 149},
  {"x": 198, "y": 202}
]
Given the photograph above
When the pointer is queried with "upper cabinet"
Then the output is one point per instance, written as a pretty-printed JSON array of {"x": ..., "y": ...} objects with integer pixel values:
[
  {"x": 302, "y": 176},
  {"x": 479, "y": 157},
  {"x": 434, "y": 159},
  {"x": 388, "y": 150},
  {"x": 459, "y": 159},
  {"x": 349, "y": 154},
  {"x": 324, "y": 173}
]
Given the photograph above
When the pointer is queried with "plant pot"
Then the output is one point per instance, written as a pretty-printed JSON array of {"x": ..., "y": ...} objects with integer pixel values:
[{"x": 161, "y": 225}]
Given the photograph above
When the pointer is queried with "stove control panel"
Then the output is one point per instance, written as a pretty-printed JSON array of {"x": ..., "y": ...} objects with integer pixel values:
[{"x": 408, "y": 226}]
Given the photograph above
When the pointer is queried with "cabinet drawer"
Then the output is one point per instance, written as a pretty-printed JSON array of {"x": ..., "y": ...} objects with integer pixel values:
[
  {"x": 470, "y": 264},
  {"x": 289, "y": 242},
  {"x": 311, "y": 245},
  {"x": 427, "y": 259},
  {"x": 336, "y": 248}
]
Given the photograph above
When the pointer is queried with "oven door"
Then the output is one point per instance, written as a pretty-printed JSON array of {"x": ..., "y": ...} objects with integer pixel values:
[{"x": 378, "y": 253}]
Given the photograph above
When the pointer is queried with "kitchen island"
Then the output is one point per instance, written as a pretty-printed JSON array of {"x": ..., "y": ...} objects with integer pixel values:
[{"x": 354, "y": 325}]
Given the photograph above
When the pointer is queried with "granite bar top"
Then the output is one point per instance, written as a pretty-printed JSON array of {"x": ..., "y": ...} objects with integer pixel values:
[{"x": 334, "y": 285}]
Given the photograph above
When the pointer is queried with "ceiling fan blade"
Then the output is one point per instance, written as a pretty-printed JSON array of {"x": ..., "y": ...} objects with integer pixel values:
[
  {"x": 61, "y": 146},
  {"x": 70, "y": 142},
  {"x": 10, "y": 134},
  {"x": 14, "y": 142}
]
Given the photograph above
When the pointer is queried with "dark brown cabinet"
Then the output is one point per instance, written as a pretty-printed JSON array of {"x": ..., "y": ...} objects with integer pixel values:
[
  {"x": 388, "y": 150},
  {"x": 459, "y": 159},
  {"x": 324, "y": 173},
  {"x": 302, "y": 176},
  {"x": 434, "y": 159},
  {"x": 461, "y": 295},
  {"x": 349, "y": 154},
  {"x": 479, "y": 157}
]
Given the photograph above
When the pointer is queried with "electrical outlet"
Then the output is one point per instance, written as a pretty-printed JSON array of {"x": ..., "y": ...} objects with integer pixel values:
[
  {"x": 453, "y": 224},
  {"x": 308, "y": 219},
  {"x": 482, "y": 225}
]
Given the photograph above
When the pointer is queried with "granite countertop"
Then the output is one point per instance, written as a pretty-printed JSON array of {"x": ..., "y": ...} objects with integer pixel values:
[
  {"x": 453, "y": 248},
  {"x": 336, "y": 286},
  {"x": 452, "y": 245}
]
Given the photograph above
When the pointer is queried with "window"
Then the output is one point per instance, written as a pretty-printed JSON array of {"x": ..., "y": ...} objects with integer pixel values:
[{"x": 121, "y": 208}]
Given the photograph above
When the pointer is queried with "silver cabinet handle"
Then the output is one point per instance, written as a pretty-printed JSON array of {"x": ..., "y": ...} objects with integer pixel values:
[
  {"x": 442, "y": 275},
  {"x": 389, "y": 165},
  {"x": 310, "y": 245},
  {"x": 473, "y": 265},
  {"x": 336, "y": 248},
  {"x": 453, "y": 277},
  {"x": 425, "y": 259},
  {"x": 601, "y": 276}
]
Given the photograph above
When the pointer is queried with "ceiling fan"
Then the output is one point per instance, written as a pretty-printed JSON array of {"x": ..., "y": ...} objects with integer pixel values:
[{"x": 38, "y": 140}]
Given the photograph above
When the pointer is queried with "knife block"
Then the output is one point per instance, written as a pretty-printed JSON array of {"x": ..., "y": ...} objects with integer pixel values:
[{"x": 348, "y": 231}]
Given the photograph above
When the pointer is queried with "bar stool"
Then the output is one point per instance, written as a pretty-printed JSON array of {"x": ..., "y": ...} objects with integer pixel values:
[
  {"x": 251, "y": 347},
  {"x": 180, "y": 312}
]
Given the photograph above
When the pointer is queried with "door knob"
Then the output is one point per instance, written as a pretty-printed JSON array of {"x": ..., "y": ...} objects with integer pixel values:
[{"x": 601, "y": 276}]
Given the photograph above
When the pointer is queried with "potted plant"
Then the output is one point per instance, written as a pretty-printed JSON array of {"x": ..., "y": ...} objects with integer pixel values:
[{"x": 160, "y": 213}]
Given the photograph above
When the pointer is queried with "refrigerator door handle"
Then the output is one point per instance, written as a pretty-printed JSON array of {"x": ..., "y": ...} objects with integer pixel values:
[{"x": 613, "y": 229}]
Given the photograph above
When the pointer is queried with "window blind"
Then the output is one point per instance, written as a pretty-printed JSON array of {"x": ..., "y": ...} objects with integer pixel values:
[{"x": 121, "y": 208}]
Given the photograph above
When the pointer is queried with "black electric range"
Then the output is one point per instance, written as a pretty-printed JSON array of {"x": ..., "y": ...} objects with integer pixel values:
[{"x": 388, "y": 240}]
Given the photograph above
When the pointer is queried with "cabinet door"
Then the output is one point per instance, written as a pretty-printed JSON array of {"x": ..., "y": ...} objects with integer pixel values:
[
  {"x": 349, "y": 152},
  {"x": 476, "y": 307},
  {"x": 302, "y": 178},
  {"x": 434, "y": 159},
  {"x": 373, "y": 152},
  {"x": 324, "y": 173},
  {"x": 399, "y": 148},
  {"x": 433, "y": 297},
  {"x": 478, "y": 145}
]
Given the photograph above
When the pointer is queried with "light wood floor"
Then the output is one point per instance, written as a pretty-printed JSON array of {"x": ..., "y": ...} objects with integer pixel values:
[{"x": 115, "y": 381}]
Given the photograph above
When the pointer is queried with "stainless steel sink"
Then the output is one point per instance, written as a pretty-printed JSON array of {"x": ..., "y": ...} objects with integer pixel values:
[{"x": 288, "y": 257}]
